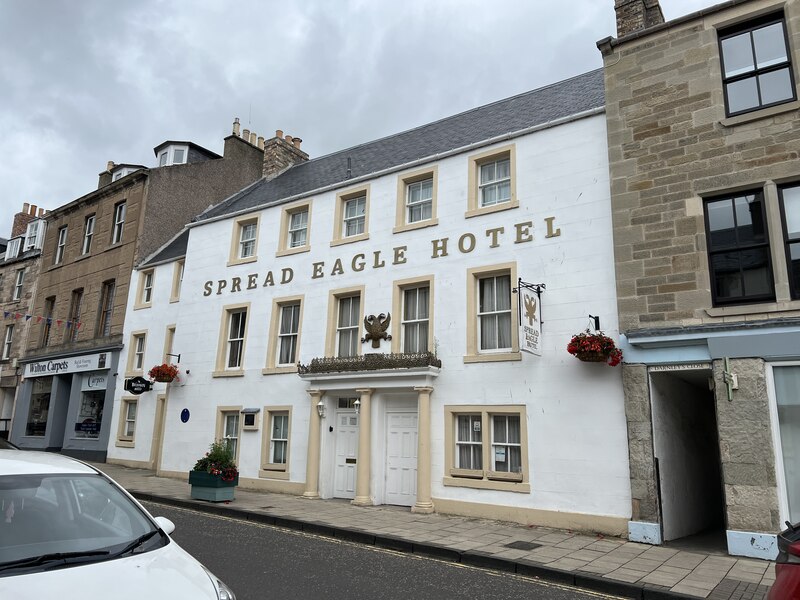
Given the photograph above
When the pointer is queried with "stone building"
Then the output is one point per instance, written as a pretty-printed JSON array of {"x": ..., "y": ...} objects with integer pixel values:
[
  {"x": 19, "y": 272},
  {"x": 705, "y": 189},
  {"x": 424, "y": 236},
  {"x": 90, "y": 249}
]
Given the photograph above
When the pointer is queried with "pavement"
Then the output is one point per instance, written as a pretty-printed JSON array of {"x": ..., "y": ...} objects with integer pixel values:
[{"x": 594, "y": 562}]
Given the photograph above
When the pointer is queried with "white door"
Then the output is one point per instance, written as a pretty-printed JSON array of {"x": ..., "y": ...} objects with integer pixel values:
[
  {"x": 401, "y": 458},
  {"x": 344, "y": 478}
]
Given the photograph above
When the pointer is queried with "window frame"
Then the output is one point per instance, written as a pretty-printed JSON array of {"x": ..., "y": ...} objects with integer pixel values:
[
  {"x": 61, "y": 245},
  {"x": 485, "y": 477},
  {"x": 342, "y": 198},
  {"x": 222, "y": 413},
  {"x": 332, "y": 337},
  {"x": 269, "y": 469},
  {"x": 475, "y": 162},
  {"x": 106, "y": 310},
  {"x": 493, "y": 313},
  {"x": 19, "y": 282},
  {"x": 284, "y": 235},
  {"x": 348, "y": 329},
  {"x": 178, "y": 271},
  {"x": 794, "y": 290},
  {"x": 74, "y": 315},
  {"x": 748, "y": 27},
  {"x": 716, "y": 301},
  {"x": 118, "y": 222},
  {"x": 47, "y": 321},
  {"x": 273, "y": 365},
  {"x": 8, "y": 341},
  {"x": 88, "y": 234},
  {"x": 223, "y": 347},
  {"x": 144, "y": 292},
  {"x": 474, "y": 352},
  {"x": 403, "y": 182},
  {"x": 136, "y": 353},
  {"x": 125, "y": 439},
  {"x": 398, "y": 309},
  {"x": 239, "y": 226},
  {"x": 169, "y": 341}
]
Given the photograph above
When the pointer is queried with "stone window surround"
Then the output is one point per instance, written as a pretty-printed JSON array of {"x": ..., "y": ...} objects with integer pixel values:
[
  {"x": 272, "y": 366},
  {"x": 334, "y": 296},
  {"x": 123, "y": 440},
  {"x": 222, "y": 343},
  {"x": 338, "y": 217},
  {"x": 177, "y": 279},
  {"x": 130, "y": 368},
  {"x": 270, "y": 470},
  {"x": 169, "y": 339},
  {"x": 473, "y": 207},
  {"x": 141, "y": 289},
  {"x": 238, "y": 224},
  {"x": 488, "y": 480},
  {"x": 403, "y": 181},
  {"x": 283, "y": 238},
  {"x": 219, "y": 428},
  {"x": 473, "y": 278},
  {"x": 399, "y": 286},
  {"x": 780, "y": 269}
]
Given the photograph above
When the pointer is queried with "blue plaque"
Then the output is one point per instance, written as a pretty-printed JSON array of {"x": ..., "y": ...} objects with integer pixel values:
[{"x": 184, "y": 415}]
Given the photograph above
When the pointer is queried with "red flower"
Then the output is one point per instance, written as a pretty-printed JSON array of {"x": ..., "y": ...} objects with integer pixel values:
[{"x": 597, "y": 343}]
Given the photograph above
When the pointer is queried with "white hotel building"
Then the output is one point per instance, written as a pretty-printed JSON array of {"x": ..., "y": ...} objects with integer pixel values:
[{"x": 433, "y": 226}]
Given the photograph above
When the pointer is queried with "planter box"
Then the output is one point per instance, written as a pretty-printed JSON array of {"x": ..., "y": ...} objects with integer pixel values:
[{"x": 212, "y": 488}]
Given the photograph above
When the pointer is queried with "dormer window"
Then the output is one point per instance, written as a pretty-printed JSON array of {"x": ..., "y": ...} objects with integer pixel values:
[
  {"x": 12, "y": 250},
  {"x": 34, "y": 235},
  {"x": 172, "y": 155}
]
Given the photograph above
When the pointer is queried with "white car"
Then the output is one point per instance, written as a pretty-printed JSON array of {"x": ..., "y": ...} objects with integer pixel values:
[{"x": 68, "y": 531}]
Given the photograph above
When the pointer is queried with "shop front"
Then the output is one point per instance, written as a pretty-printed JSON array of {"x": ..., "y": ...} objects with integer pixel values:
[{"x": 61, "y": 405}]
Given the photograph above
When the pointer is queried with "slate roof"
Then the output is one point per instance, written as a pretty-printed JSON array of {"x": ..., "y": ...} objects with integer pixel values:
[
  {"x": 550, "y": 103},
  {"x": 176, "y": 248}
]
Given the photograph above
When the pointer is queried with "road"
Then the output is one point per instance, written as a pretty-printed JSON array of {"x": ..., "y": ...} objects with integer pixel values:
[{"x": 260, "y": 561}]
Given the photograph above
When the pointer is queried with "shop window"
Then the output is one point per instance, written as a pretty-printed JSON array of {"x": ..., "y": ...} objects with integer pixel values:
[
  {"x": 39, "y": 408},
  {"x": 90, "y": 414}
]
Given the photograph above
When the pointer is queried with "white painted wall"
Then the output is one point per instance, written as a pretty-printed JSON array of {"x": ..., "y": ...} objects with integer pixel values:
[{"x": 577, "y": 436}]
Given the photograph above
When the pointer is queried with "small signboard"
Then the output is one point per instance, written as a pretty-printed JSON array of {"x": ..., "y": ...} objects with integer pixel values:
[
  {"x": 530, "y": 334},
  {"x": 138, "y": 385},
  {"x": 88, "y": 427}
]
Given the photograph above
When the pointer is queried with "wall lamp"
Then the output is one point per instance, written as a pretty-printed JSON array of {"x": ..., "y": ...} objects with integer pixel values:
[
  {"x": 321, "y": 409},
  {"x": 357, "y": 405}
]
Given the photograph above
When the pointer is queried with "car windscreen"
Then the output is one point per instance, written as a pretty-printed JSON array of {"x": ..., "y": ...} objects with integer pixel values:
[{"x": 82, "y": 517}]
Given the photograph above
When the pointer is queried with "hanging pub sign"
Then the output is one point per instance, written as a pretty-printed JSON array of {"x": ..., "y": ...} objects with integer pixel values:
[
  {"x": 530, "y": 323},
  {"x": 137, "y": 385}
]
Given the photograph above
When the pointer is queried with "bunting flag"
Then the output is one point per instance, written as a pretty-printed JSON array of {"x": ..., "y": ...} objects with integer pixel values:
[{"x": 49, "y": 320}]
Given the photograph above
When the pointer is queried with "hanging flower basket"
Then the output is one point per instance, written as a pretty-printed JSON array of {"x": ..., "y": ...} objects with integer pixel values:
[
  {"x": 594, "y": 347},
  {"x": 165, "y": 373}
]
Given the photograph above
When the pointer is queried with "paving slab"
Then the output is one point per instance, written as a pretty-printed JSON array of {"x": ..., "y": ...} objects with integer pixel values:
[{"x": 596, "y": 562}]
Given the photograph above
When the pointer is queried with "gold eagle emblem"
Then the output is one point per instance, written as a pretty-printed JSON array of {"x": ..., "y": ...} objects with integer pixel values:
[
  {"x": 530, "y": 310},
  {"x": 376, "y": 329}
]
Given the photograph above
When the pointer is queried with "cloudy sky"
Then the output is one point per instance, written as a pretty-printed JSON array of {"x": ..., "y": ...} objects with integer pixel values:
[{"x": 87, "y": 81}]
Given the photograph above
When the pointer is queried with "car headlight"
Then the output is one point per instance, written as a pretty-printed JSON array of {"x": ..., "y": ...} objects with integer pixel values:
[{"x": 223, "y": 591}]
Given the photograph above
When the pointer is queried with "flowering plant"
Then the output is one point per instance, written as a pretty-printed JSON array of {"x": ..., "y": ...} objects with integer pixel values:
[
  {"x": 218, "y": 461},
  {"x": 595, "y": 347},
  {"x": 164, "y": 373}
]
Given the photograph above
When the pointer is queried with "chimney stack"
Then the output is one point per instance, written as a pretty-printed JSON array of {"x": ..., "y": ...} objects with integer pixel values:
[
  {"x": 637, "y": 15},
  {"x": 105, "y": 176},
  {"x": 21, "y": 219},
  {"x": 281, "y": 153}
]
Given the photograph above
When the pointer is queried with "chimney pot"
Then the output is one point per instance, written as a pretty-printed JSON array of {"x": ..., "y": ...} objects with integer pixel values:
[
  {"x": 297, "y": 141},
  {"x": 279, "y": 133},
  {"x": 245, "y": 134},
  {"x": 33, "y": 210},
  {"x": 41, "y": 212},
  {"x": 288, "y": 138},
  {"x": 25, "y": 207},
  {"x": 110, "y": 165},
  {"x": 236, "y": 127},
  {"x": 253, "y": 137},
  {"x": 261, "y": 142}
]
